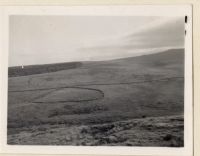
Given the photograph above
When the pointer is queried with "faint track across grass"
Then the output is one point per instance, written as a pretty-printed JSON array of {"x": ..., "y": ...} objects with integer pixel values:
[{"x": 98, "y": 84}]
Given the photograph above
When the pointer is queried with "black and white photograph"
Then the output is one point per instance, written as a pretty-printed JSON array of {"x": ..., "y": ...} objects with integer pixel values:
[{"x": 96, "y": 81}]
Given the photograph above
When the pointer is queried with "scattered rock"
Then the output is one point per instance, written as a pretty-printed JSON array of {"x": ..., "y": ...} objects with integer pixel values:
[
  {"x": 112, "y": 139},
  {"x": 167, "y": 137},
  {"x": 42, "y": 129},
  {"x": 84, "y": 130},
  {"x": 143, "y": 116},
  {"x": 68, "y": 138},
  {"x": 128, "y": 144}
]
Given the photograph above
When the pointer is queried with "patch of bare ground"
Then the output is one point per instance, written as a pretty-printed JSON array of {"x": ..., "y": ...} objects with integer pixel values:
[{"x": 151, "y": 131}]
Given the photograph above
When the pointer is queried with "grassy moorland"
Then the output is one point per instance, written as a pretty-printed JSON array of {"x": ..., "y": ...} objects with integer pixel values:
[
  {"x": 40, "y": 69},
  {"x": 136, "y": 101}
]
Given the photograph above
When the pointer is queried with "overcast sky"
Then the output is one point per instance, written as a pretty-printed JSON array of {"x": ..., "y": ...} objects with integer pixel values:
[{"x": 52, "y": 39}]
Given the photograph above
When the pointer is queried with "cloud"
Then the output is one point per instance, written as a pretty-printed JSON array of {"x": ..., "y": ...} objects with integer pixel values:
[
  {"x": 51, "y": 39},
  {"x": 162, "y": 34}
]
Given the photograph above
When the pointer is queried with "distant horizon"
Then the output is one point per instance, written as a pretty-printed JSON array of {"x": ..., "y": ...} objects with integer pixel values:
[
  {"x": 181, "y": 48},
  {"x": 38, "y": 40}
]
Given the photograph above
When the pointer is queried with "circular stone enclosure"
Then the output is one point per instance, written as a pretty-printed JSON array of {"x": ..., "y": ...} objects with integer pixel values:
[{"x": 71, "y": 94}]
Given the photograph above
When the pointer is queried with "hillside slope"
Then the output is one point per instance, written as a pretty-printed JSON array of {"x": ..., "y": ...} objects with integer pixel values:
[{"x": 98, "y": 93}]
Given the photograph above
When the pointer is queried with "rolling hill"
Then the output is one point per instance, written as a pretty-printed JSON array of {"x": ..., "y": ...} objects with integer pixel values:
[{"x": 89, "y": 99}]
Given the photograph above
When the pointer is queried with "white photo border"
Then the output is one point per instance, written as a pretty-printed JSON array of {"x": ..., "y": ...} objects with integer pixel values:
[{"x": 109, "y": 10}]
